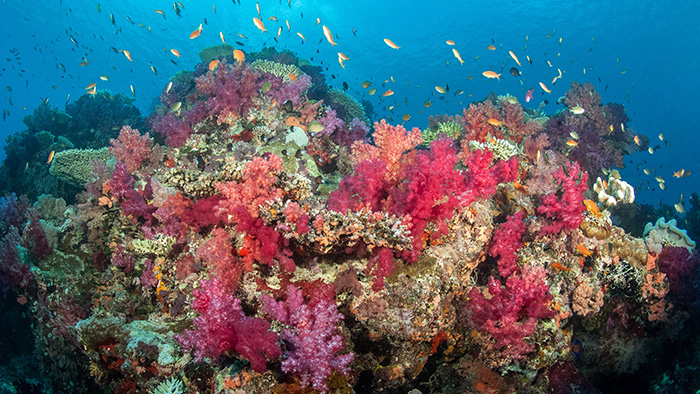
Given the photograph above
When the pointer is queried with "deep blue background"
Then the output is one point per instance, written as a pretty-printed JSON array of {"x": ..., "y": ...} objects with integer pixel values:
[{"x": 655, "y": 42}]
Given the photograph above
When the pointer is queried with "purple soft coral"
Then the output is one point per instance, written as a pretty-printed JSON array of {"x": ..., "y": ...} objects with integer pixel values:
[{"x": 312, "y": 337}]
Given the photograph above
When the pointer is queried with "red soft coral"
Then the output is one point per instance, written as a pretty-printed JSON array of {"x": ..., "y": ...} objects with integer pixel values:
[
  {"x": 506, "y": 241},
  {"x": 258, "y": 186},
  {"x": 565, "y": 211},
  {"x": 476, "y": 121}
]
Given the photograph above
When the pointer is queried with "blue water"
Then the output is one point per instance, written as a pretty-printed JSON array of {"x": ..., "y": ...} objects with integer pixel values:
[{"x": 655, "y": 44}]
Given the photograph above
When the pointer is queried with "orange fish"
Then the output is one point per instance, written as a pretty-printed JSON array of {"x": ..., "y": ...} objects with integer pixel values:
[
  {"x": 213, "y": 64},
  {"x": 572, "y": 143},
  {"x": 491, "y": 74},
  {"x": 302, "y": 36},
  {"x": 560, "y": 267},
  {"x": 329, "y": 36},
  {"x": 161, "y": 12},
  {"x": 515, "y": 58},
  {"x": 454, "y": 52},
  {"x": 388, "y": 93},
  {"x": 544, "y": 87},
  {"x": 127, "y": 54},
  {"x": 391, "y": 43},
  {"x": 293, "y": 77},
  {"x": 519, "y": 186},
  {"x": 238, "y": 55},
  {"x": 494, "y": 122},
  {"x": 196, "y": 33},
  {"x": 342, "y": 56},
  {"x": 341, "y": 61},
  {"x": 279, "y": 32},
  {"x": 584, "y": 250},
  {"x": 288, "y": 27},
  {"x": 90, "y": 86},
  {"x": 636, "y": 140},
  {"x": 679, "y": 174},
  {"x": 50, "y": 157},
  {"x": 272, "y": 18},
  {"x": 449, "y": 42},
  {"x": 221, "y": 34},
  {"x": 491, "y": 48},
  {"x": 591, "y": 207},
  {"x": 259, "y": 25},
  {"x": 318, "y": 21},
  {"x": 175, "y": 52}
]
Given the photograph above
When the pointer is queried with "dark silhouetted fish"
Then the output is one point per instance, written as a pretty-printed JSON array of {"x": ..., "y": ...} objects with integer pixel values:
[{"x": 515, "y": 72}]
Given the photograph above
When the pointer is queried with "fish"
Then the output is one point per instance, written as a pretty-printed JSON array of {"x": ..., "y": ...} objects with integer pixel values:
[
  {"x": 491, "y": 48},
  {"x": 528, "y": 95},
  {"x": 318, "y": 21},
  {"x": 651, "y": 150},
  {"x": 213, "y": 64},
  {"x": 221, "y": 34},
  {"x": 577, "y": 110},
  {"x": 391, "y": 43},
  {"x": 491, "y": 74},
  {"x": 133, "y": 91},
  {"x": 440, "y": 89},
  {"x": 329, "y": 36},
  {"x": 341, "y": 61},
  {"x": 388, "y": 93},
  {"x": 544, "y": 87},
  {"x": 679, "y": 174},
  {"x": 514, "y": 72},
  {"x": 153, "y": 68},
  {"x": 161, "y": 12},
  {"x": 302, "y": 36},
  {"x": 315, "y": 127},
  {"x": 454, "y": 52},
  {"x": 406, "y": 117},
  {"x": 458, "y": 92},
  {"x": 238, "y": 55},
  {"x": 515, "y": 58},
  {"x": 175, "y": 52},
  {"x": 104, "y": 77},
  {"x": 574, "y": 135},
  {"x": 292, "y": 77},
  {"x": 494, "y": 122},
  {"x": 372, "y": 91},
  {"x": 50, "y": 159},
  {"x": 661, "y": 136},
  {"x": 259, "y": 24},
  {"x": 583, "y": 250},
  {"x": 279, "y": 32},
  {"x": 636, "y": 140},
  {"x": 528, "y": 59},
  {"x": 265, "y": 87},
  {"x": 288, "y": 27},
  {"x": 560, "y": 267},
  {"x": 272, "y": 18},
  {"x": 679, "y": 208},
  {"x": 257, "y": 7},
  {"x": 196, "y": 33},
  {"x": 176, "y": 107},
  {"x": 366, "y": 84},
  {"x": 342, "y": 56},
  {"x": 662, "y": 186},
  {"x": 572, "y": 143},
  {"x": 242, "y": 36},
  {"x": 345, "y": 85},
  {"x": 592, "y": 207},
  {"x": 90, "y": 86},
  {"x": 127, "y": 54},
  {"x": 449, "y": 42}
]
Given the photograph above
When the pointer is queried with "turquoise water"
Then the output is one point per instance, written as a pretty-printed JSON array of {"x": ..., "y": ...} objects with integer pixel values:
[{"x": 654, "y": 42}]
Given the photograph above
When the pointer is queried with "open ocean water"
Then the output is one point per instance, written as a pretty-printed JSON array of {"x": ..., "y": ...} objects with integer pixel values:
[{"x": 642, "y": 54}]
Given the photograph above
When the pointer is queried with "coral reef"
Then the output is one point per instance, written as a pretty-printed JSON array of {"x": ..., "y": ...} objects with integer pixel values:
[{"x": 275, "y": 243}]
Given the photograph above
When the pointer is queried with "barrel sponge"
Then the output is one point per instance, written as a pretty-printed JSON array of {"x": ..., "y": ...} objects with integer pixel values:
[
  {"x": 664, "y": 233},
  {"x": 75, "y": 166}
]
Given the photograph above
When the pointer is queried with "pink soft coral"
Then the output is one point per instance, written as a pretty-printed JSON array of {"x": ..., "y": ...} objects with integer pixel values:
[
  {"x": 390, "y": 143},
  {"x": 131, "y": 147},
  {"x": 313, "y": 340},
  {"x": 230, "y": 89},
  {"x": 258, "y": 186},
  {"x": 222, "y": 326}
]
